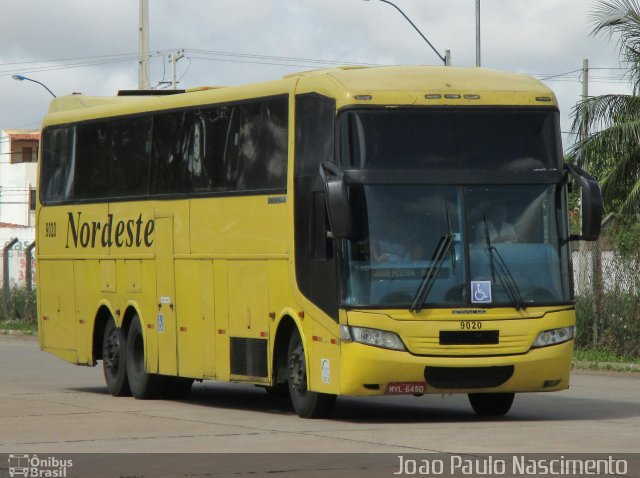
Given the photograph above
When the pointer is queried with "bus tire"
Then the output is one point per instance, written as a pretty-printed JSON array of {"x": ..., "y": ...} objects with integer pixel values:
[
  {"x": 491, "y": 404},
  {"x": 307, "y": 404},
  {"x": 114, "y": 360},
  {"x": 143, "y": 385},
  {"x": 176, "y": 388}
]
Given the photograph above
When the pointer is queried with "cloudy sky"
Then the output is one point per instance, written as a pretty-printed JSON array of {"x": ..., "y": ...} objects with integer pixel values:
[{"x": 90, "y": 46}]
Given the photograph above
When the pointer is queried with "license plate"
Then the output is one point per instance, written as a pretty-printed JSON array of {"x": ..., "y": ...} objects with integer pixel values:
[{"x": 400, "y": 388}]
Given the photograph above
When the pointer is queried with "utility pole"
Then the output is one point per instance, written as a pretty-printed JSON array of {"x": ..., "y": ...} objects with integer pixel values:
[
  {"x": 477, "y": 32},
  {"x": 584, "y": 127},
  {"x": 143, "y": 47},
  {"x": 583, "y": 251},
  {"x": 173, "y": 58},
  {"x": 596, "y": 253}
]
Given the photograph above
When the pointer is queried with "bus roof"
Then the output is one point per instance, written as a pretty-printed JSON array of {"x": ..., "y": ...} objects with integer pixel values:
[
  {"x": 387, "y": 85},
  {"x": 423, "y": 78},
  {"x": 428, "y": 85}
]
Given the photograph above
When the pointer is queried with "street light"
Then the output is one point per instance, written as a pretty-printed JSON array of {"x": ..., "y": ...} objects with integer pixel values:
[
  {"x": 445, "y": 59},
  {"x": 477, "y": 32},
  {"x": 22, "y": 78}
]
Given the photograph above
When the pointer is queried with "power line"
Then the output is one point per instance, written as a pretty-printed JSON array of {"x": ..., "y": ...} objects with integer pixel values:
[
  {"x": 278, "y": 58},
  {"x": 69, "y": 59}
]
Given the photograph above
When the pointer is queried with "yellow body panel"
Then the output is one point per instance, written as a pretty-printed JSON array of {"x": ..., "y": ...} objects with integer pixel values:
[{"x": 199, "y": 271}]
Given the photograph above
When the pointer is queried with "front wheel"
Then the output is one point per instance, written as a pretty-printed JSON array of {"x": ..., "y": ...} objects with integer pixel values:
[
  {"x": 491, "y": 404},
  {"x": 143, "y": 385},
  {"x": 114, "y": 360},
  {"x": 307, "y": 404}
]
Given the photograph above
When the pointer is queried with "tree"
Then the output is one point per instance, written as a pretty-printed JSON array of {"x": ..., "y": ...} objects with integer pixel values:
[{"x": 612, "y": 152}]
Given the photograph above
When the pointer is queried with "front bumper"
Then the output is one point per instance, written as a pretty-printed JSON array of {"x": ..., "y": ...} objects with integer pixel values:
[{"x": 368, "y": 370}]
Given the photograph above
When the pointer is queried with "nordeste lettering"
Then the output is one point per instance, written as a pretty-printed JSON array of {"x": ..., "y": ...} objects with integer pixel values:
[{"x": 123, "y": 233}]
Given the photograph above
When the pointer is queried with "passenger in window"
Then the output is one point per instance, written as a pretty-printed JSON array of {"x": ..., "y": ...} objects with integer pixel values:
[
  {"x": 395, "y": 244},
  {"x": 494, "y": 223}
]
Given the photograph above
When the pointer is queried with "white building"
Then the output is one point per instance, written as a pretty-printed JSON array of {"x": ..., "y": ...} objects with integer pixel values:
[{"x": 18, "y": 165}]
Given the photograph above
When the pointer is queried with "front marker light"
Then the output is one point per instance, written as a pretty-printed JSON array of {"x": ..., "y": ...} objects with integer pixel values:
[
  {"x": 375, "y": 337},
  {"x": 554, "y": 336}
]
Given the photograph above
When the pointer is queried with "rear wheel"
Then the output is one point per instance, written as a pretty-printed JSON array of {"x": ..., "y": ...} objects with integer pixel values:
[
  {"x": 491, "y": 404},
  {"x": 143, "y": 385},
  {"x": 307, "y": 404},
  {"x": 114, "y": 360}
]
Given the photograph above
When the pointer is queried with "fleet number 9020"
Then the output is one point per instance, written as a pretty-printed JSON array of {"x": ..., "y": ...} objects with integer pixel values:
[
  {"x": 50, "y": 229},
  {"x": 470, "y": 325}
]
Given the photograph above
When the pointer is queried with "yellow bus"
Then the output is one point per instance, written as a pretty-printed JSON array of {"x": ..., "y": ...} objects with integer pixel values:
[{"x": 352, "y": 231}]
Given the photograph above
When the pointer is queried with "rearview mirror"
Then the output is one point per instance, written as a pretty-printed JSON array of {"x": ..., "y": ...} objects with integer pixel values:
[
  {"x": 337, "y": 199},
  {"x": 591, "y": 203}
]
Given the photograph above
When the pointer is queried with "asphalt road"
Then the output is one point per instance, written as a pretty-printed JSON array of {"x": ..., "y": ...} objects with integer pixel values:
[{"x": 50, "y": 406}]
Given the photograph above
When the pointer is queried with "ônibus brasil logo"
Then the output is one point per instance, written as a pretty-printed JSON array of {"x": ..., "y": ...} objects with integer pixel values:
[{"x": 34, "y": 466}]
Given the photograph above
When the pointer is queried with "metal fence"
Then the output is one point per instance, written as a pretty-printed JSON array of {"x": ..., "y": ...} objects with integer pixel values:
[
  {"x": 17, "y": 279},
  {"x": 16, "y": 270},
  {"x": 607, "y": 286}
]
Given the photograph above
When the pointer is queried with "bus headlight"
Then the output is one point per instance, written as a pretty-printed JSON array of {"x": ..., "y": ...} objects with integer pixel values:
[
  {"x": 375, "y": 337},
  {"x": 554, "y": 336}
]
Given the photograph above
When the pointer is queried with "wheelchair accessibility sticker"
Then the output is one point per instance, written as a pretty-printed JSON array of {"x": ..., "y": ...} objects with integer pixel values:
[{"x": 481, "y": 292}]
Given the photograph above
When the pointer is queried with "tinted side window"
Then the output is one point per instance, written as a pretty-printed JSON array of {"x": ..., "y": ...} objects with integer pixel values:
[
  {"x": 256, "y": 146},
  {"x": 93, "y": 160},
  {"x": 56, "y": 180},
  {"x": 130, "y": 163},
  {"x": 314, "y": 133},
  {"x": 315, "y": 260},
  {"x": 209, "y": 140},
  {"x": 171, "y": 138}
]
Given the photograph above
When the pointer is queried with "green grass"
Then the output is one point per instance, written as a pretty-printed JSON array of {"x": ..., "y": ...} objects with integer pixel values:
[
  {"x": 593, "y": 359},
  {"x": 28, "y": 328},
  {"x": 595, "y": 355}
]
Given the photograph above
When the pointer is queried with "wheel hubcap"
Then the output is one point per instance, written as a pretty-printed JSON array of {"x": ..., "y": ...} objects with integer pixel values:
[
  {"x": 298, "y": 370},
  {"x": 111, "y": 353}
]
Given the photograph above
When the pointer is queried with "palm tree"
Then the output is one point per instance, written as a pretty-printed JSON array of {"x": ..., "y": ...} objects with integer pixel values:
[{"x": 612, "y": 152}]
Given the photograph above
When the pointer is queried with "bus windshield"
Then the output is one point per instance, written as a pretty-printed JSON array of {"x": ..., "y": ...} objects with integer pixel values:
[
  {"x": 506, "y": 246},
  {"x": 504, "y": 243},
  {"x": 436, "y": 139}
]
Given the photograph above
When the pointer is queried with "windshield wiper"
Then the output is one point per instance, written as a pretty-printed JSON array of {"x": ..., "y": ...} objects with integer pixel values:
[
  {"x": 504, "y": 274},
  {"x": 430, "y": 276},
  {"x": 450, "y": 233}
]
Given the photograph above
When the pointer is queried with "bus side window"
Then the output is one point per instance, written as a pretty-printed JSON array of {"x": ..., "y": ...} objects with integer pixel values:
[
  {"x": 57, "y": 163},
  {"x": 230, "y": 161},
  {"x": 256, "y": 146},
  {"x": 93, "y": 160},
  {"x": 273, "y": 143},
  {"x": 315, "y": 258},
  {"x": 169, "y": 153},
  {"x": 209, "y": 141},
  {"x": 247, "y": 155},
  {"x": 130, "y": 161}
]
